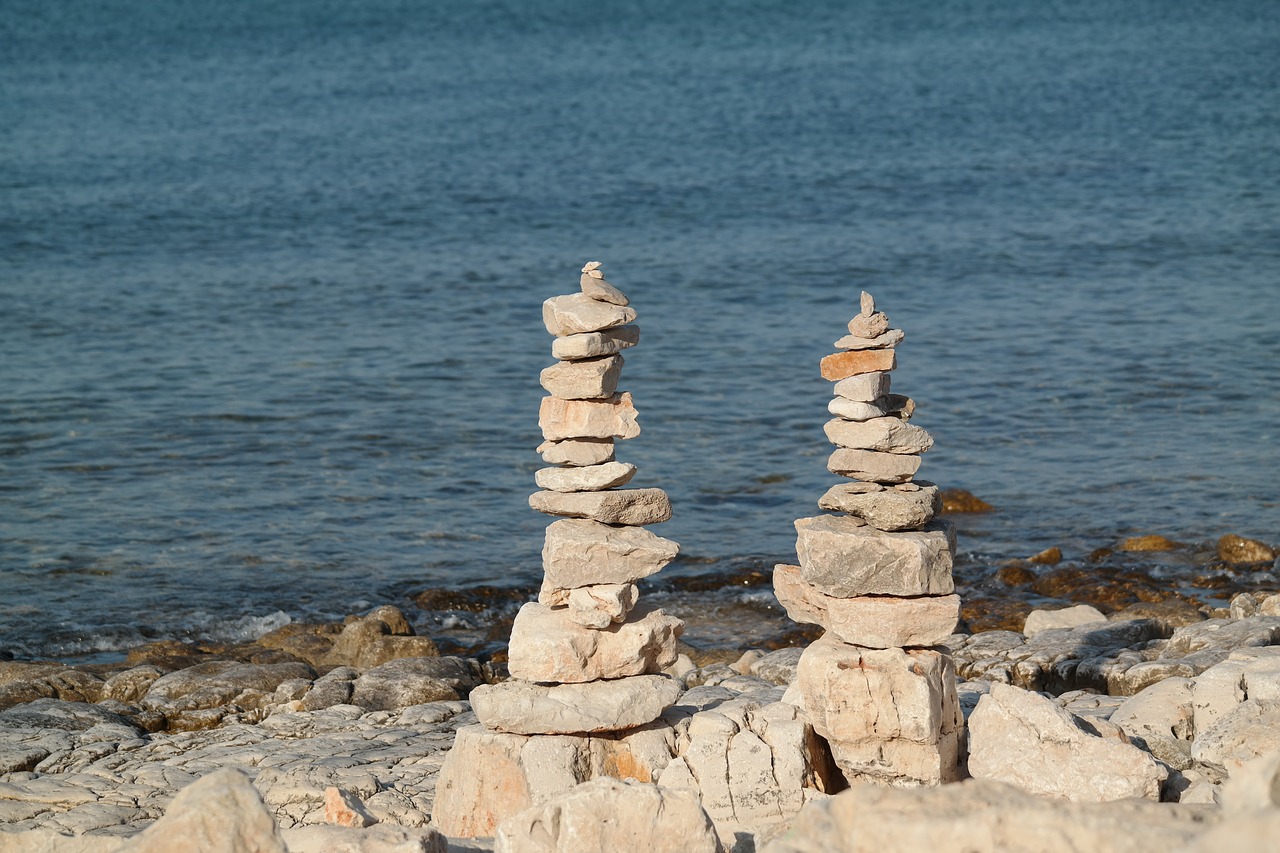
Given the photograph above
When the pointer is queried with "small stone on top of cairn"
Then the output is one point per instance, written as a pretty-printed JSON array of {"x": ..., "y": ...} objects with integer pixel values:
[{"x": 877, "y": 577}]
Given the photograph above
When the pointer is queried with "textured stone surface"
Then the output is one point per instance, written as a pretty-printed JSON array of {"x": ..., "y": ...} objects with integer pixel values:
[
  {"x": 1251, "y": 729},
  {"x": 221, "y": 812},
  {"x": 842, "y": 365},
  {"x": 844, "y": 558},
  {"x": 547, "y": 646},
  {"x": 864, "y": 388},
  {"x": 587, "y": 478},
  {"x": 1023, "y": 739},
  {"x": 582, "y": 451},
  {"x": 1160, "y": 720},
  {"x": 873, "y": 466},
  {"x": 871, "y": 325},
  {"x": 890, "y": 338},
  {"x": 899, "y": 762},
  {"x": 612, "y": 418},
  {"x": 878, "y": 622},
  {"x": 595, "y": 606},
  {"x": 1067, "y": 617},
  {"x": 889, "y": 435},
  {"x": 854, "y": 410},
  {"x": 594, "y": 344},
  {"x": 593, "y": 285},
  {"x": 581, "y": 552},
  {"x": 577, "y": 312},
  {"x": 885, "y": 509},
  {"x": 589, "y": 379},
  {"x": 482, "y": 782},
  {"x": 599, "y": 706},
  {"x": 616, "y": 506},
  {"x": 415, "y": 681}
]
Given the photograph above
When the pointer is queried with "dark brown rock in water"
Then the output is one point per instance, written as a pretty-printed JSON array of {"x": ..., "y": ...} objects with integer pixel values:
[
  {"x": 958, "y": 500},
  {"x": 1097, "y": 555},
  {"x": 26, "y": 682},
  {"x": 381, "y": 636},
  {"x": 473, "y": 599},
  {"x": 1048, "y": 557},
  {"x": 1240, "y": 551},
  {"x": 1107, "y": 590},
  {"x": 1152, "y": 542},
  {"x": 1015, "y": 574},
  {"x": 992, "y": 614},
  {"x": 305, "y": 641},
  {"x": 1169, "y": 615}
]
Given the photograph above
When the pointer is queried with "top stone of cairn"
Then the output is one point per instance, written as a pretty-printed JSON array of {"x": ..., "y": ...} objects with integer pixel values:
[{"x": 594, "y": 286}]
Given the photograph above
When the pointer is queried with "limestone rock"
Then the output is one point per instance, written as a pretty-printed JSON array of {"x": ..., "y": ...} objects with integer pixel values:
[
  {"x": 577, "y": 313},
  {"x": 482, "y": 782},
  {"x": 844, "y": 558},
  {"x": 1023, "y": 739},
  {"x": 599, "y": 706},
  {"x": 633, "y": 507},
  {"x": 343, "y": 808},
  {"x": 593, "y": 344},
  {"x": 383, "y": 838},
  {"x": 612, "y": 418},
  {"x": 593, "y": 285},
  {"x": 888, "y": 435},
  {"x": 1160, "y": 720},
  {"x": 891, "y": 338},
  {"x": 885, "y": 509},
  {"x": 595, "y": 606},
  {"x": 580, "y": 552},
  {"x": 547, "y": 646},
  {"x": 842, "y": 365},
  {"x": 878, "y": 622},
  {"x": 413, "y": 681},
  {"x": 863, "y": 388},
  {"x": 873, "y": 466},
  {"x": 376, "y": 638},
  {"x": 577, "y": 451},
  {"x": 869, "y": 325},
  {"x": 588, "y": 379},
  {"x": 589, "y": 478},
  {"x": 1248, "y": 731},
  {"x": 898, "y": 762},
  {"x": 1067, "y": 617},
  {"x": 609, "y": 814},
  {"x": 220, "y": 812},
  {"x": 854, "y": 410}
]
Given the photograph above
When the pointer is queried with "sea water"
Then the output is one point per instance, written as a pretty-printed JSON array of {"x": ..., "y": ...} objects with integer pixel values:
[{"x": 271, "y": 276}]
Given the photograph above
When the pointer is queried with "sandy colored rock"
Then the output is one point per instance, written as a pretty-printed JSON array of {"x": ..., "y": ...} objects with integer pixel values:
[
  {"x": 888, "y": 435},
  {"x": 588, "y": 379},
  {"x": 343, "y": 808},
  {"x": 842, "y": 365},
  {"x": 889, "y": 509},
  {"x": 481, "y": 783},
  {"x": 579, "y": 451},
  {"x": 594, "y": 344},
  {"x": 844, "y": 558},
  {"x": 577, "y": 313},
  {"x": 854, "y": 410},
  {"x": 522, "y": 707},
  {"x": 595, "y": 606},
  {"x": 889, "y": 339},
  {"x": 581, "y": 552},
  {"x": 873, "y": 466},
  {"x": 865, "y": 387},
  {"x": 220, "y": 812},
  {"x": 612, "y": 418},
  {"x": 547, "y": 646},
  {"x": 1238, "y": 550},
  {"x": 899, "y": 763},
  {"x": 1022, "y": 739},
  {"x": 585, "y": 478},
  {"x": 1248, "y": 731},
  {"x": 601, "y": 290},
  {"x": 1160, "y": 719},
  {"x": 1067, "y": 617},
  {"x": 610, "y": 814},
  {"x": 878, "y": 622},
  {"x": 615, "y": 506},
  {"x": 869, "y": 325},
  {"x": 1150, "y": 542}
]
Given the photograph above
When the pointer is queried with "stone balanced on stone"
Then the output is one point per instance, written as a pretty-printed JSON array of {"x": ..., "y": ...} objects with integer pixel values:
[
  {"x": 586, "y": 658},
  {"x": 876, "y": 576}
]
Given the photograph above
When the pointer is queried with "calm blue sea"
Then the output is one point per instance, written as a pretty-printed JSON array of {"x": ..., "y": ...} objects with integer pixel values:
[{"x": 271, "y": 274}]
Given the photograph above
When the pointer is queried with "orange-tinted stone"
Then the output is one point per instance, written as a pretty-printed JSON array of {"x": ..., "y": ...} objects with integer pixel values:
[
  {"x": 958, "y": 500},
  {"x": 842, "y": 365}
]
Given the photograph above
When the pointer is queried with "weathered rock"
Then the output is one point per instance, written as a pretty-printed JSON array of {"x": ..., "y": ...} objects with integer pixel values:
[
  {"x": 343, "y": 808},
  {"x": 612, "y": 418},
  {"x": 1241, "y": 551},
  {"x": 596, "y": 606},
  {"x": 631, "y": 507},
  {"x": 372, "y": 640},
  {"x": 853, "y": 410},
  {"x": 580, "y": 552},
  {"x": 577, "y": 312},
  {"x": 844, "y": 558},
  {"x": 1248, "y": 731},
  {"x": 482, "y": 782},
  {"x": 383, "y": 838},
  {"x": 594, "y": 344},
  {"x": 1023, "y": 739},
  {"x": 899, "y": 762},
  {"x": 547, "y": 646},
  {"x": 415, "y": 681},
  {"x": 589, "y": 478},
  {"x": 25, "y": 682},
  {"x": 132, "y": 684},
  {"x": 1069, "y": 617},
  {"x": 1161, "y": 720},
  {"x": 1149, "y": 542},
  {"x": 577, "y": 451},
  {"x": 587, "y": 379},
  {"x": 890, "y": 509},
  {"x": 209, "y": 686},
  {"x": 877, "y": 622},
  {"x": 220, "y": 812},
  {"x": 863, "y": 388},
  {"x": 600, "y": 706},
  {"x": 870, "y": 325},
  {"x": 609, "y": 814},
  {"x": 842, "y": 365},
  {"x": 873, "y": 466},
  {"x": 890, "y": 338},
  {"x": 1254, "y": 786},
  {"x": 594, "y": 285},
  {"x": 889, "y": 435}
]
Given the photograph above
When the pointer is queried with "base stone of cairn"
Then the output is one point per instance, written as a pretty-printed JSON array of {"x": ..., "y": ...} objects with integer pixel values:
[
  {"x": 585, "y": 660},
  {"x": 878, "y": 686}
]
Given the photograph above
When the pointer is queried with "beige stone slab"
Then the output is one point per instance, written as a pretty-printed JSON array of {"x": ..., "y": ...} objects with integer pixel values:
[
  {"x": 888, "y": 340},
  {"x": 855, "y": 410},
  {"x": 863, "y": 388},
  {"x": 886, "y": 435},
  {"x": 894, "y": 508},
  {"x": 588, "y": 379},
  {"x": 594, "y": 344},
  {"x": 899, "y": 763},
  {"x": 587, "y": 478},
  {"x": 547, "y": 646},
  {"x": 634, "y": 507},
  {"x": 523, "y": 707},
  {"x": 577, "y": 451},
  {"x": 612, "y": 418},
  {"x": 842, "y": 365},
  {"x": 602, "y": 291},
  {"x": 576, "y": 313},
  {"x": 579, "y": 552},
  {"x": 873, "y": 466},
  {"x": 845, "y": 558},
  {"x": 595, "y": 606},
  {"x": 871, "y": 325},
  {"x": 877, "y": 622}
]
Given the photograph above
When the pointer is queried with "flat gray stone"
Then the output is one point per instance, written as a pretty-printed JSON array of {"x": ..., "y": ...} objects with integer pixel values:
[
  {"x": 577, "y": 451},
  {"x": 593, "y": 344},
  {"x": 634, "y": 507},
  {"x": 873, "y": 466},
  {"x": 576, "y": 313},
  {"x": 588, "y": 379},
  {"x": 588, "y": 478},
  {"x": 845, "y": 558},
  {"x": 581, "y": 552},
  {"x": 521, "y": 707},
  {"x": 863, "y": 388},
  {"x": 854, "y": 410},
  {"x": 885, "y": 508},
  {"x": 887, "y": 435},
  {"x": 891, "y": 338}
]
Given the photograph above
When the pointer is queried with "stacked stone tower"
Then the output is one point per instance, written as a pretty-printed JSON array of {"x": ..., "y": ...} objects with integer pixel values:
[{"x": 876, "y": 575}]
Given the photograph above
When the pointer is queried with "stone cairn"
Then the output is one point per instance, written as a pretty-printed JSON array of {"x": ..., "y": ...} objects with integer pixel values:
[
  {"x": 586, "y": 658},
  {"x": 878, "y": 686}
]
